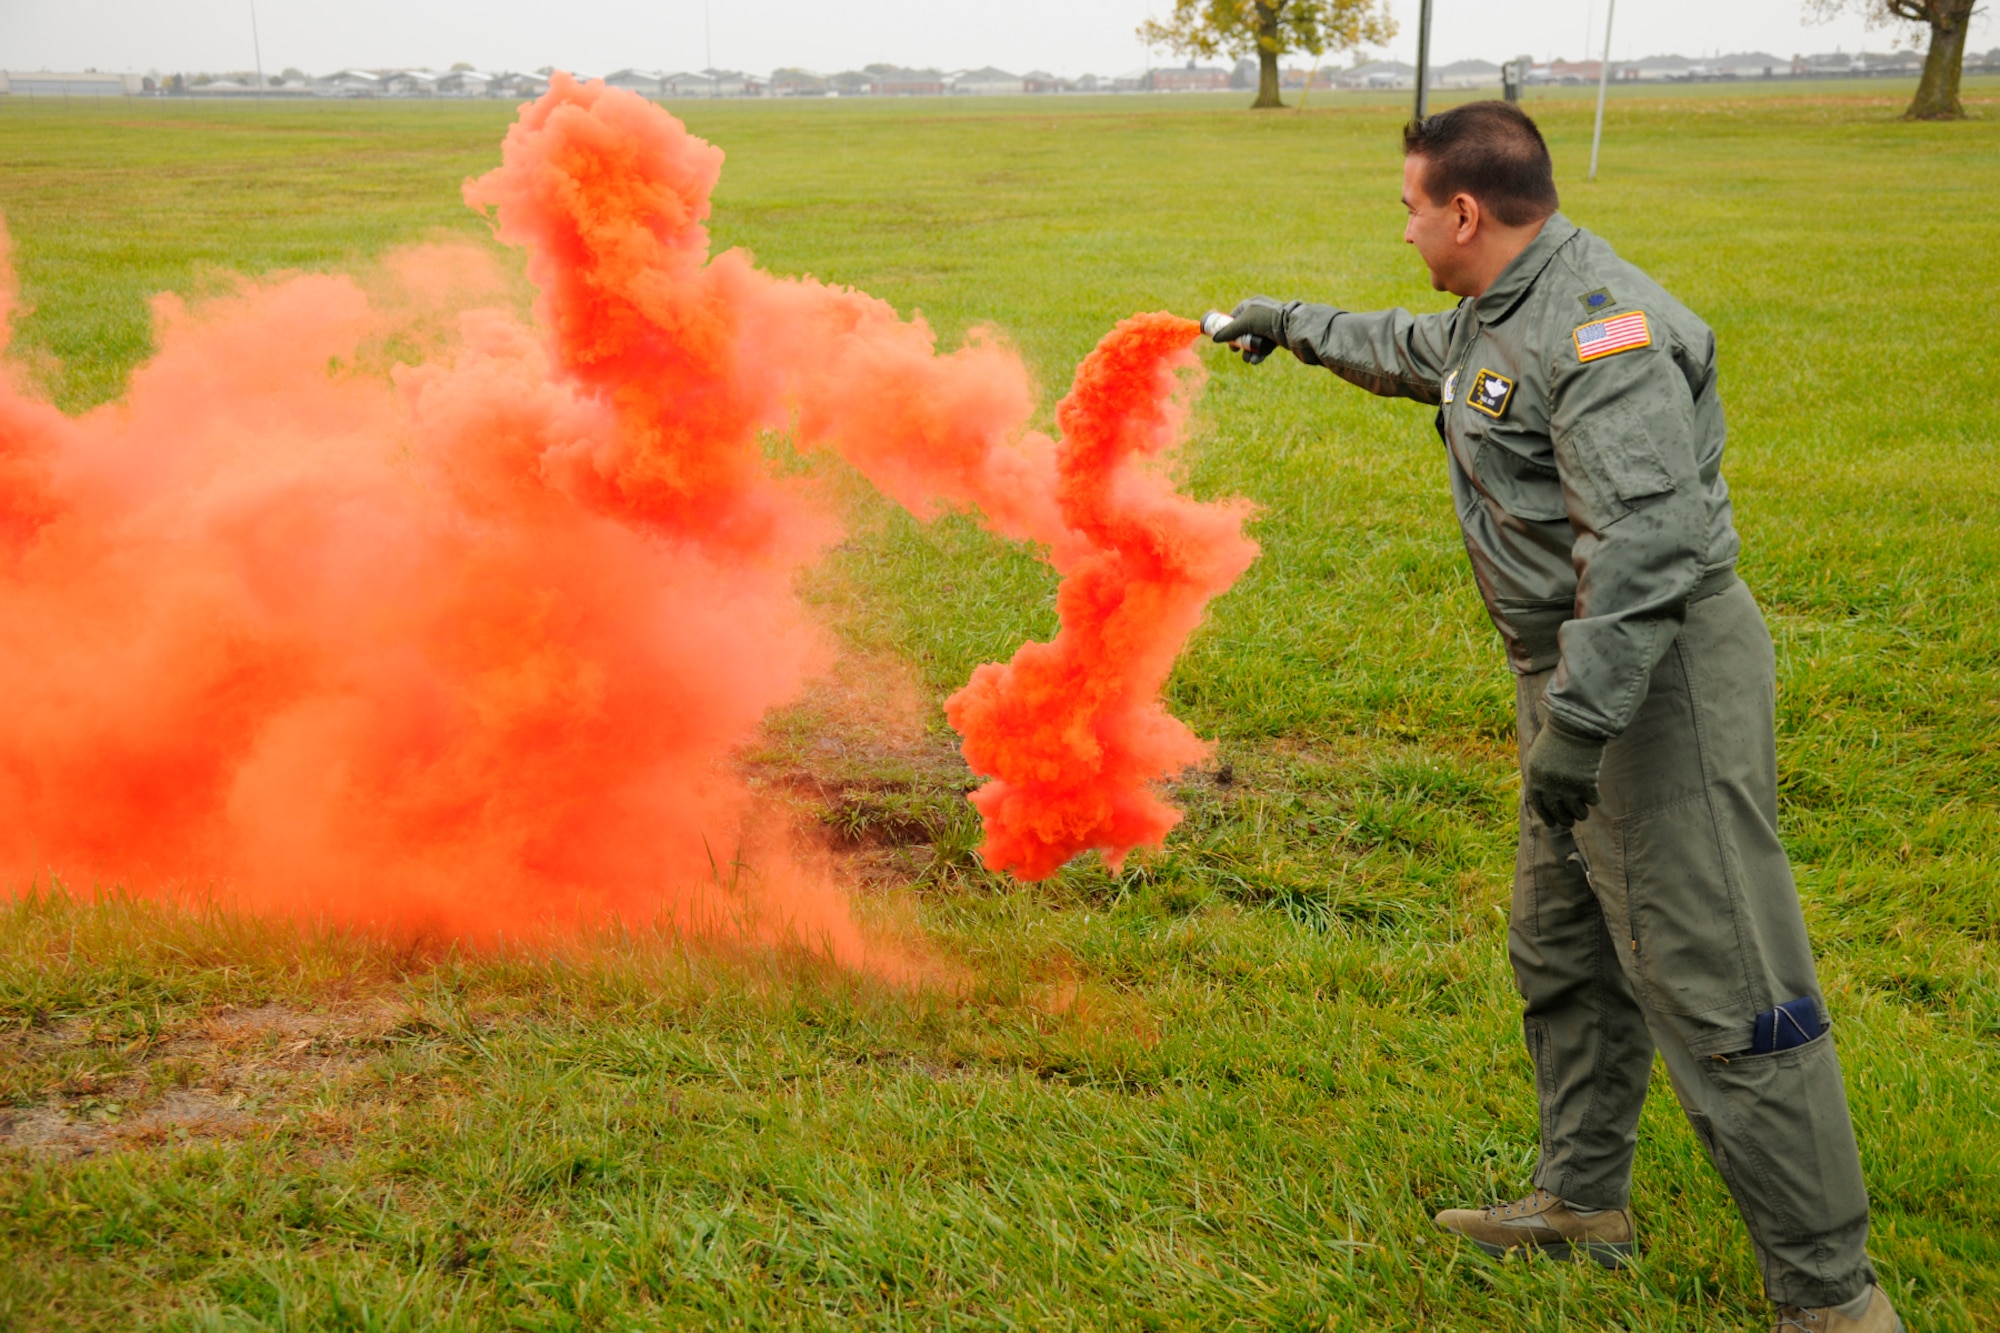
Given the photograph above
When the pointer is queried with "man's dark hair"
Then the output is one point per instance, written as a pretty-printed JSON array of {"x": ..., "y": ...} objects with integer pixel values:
[{"x": 1491, "y": 151}]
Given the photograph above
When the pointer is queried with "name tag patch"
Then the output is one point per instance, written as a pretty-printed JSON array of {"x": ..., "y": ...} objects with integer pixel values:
[
  {"x": 1605, "y": 337},
  {"x": 1489, "y": 393}
]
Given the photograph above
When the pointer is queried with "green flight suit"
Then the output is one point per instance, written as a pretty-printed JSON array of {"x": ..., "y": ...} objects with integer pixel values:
[{"x": 1583, "y": 433}]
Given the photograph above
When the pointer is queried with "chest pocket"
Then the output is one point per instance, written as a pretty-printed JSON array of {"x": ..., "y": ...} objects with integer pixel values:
[
  {"x": 1523, "y": 488},
  {"x": 1499, "y": 408}
]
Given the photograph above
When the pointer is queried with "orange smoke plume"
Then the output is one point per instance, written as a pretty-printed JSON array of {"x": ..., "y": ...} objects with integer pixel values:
[
  {"x": 1073, "y": 731},
  {"x": 466, "y": 644}
]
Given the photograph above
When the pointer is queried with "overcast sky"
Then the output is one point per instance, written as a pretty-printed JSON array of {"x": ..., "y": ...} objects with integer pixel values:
[{"x": 597, "y": 36}]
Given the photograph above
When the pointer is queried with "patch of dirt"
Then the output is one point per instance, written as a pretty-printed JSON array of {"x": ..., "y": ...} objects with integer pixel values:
[
  {"x": 235, "y": 1073},
  {"x": 862, "y": 779},
  {"x": 179, "y": 1116}
]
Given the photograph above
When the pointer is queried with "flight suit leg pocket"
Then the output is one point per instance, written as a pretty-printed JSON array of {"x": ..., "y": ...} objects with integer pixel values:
[
  {"x": 1682, "y": 914},
  {"x": 1781, "y": 1121}
]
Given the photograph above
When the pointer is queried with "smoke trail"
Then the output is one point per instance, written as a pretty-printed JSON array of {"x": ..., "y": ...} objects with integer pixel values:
[
  {"x": 1073, "y": 731},
  {"x": 466, "y": 644},
  {"x": 697, "y": 355}
]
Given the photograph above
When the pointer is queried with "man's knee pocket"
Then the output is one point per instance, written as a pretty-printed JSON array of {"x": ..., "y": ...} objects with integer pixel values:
[{"x": 1781, "y": 1118}]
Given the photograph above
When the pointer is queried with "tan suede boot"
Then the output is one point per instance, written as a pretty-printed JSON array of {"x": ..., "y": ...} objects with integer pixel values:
[
  {"x": 1544, "y": 1222},
  {"x": 1879, "y": 1317}
]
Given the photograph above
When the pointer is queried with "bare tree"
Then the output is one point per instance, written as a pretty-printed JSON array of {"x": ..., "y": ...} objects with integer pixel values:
[
  {"x": 1270, "y": 28},
  {"x": 1948, "y": 20}
]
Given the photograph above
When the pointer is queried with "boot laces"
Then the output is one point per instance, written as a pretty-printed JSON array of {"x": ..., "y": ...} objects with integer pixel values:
[
  {"x": 1526, "y": 1204},
  {"x": 1798, "y": 1319}
]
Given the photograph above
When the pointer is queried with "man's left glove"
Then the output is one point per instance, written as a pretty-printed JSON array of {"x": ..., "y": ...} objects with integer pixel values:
[
  {"x": 1559, "y": 779},
  {"x": 1259, "y": 323}
]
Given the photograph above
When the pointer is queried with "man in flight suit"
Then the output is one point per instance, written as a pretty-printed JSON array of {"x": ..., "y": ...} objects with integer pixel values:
[{"x": 1653, "y": 906}]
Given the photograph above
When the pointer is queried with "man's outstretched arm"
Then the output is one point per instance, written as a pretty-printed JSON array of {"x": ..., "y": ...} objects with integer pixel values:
[{"x": 1389, "y": 352}]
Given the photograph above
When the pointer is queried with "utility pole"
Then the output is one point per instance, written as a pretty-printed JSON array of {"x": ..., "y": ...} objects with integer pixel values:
[
  {"x": 1423, "y": 59},
  {"x": 1603, "y": 78},
  {"x": 257, "y": 50}
]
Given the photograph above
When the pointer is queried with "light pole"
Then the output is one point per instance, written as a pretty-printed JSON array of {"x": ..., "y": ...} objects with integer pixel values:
[
  {"x": 257, "y": 50},
  {"x": 1603, "y": 78},
  {"x": 1423, "y": 58}
]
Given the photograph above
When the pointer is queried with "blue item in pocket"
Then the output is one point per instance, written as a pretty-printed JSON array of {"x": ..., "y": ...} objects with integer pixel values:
[{"x": 1793, "y": 1023}]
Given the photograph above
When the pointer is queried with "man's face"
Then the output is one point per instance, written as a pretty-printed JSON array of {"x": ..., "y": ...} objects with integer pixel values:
[{"x": 1432, "y": 227}]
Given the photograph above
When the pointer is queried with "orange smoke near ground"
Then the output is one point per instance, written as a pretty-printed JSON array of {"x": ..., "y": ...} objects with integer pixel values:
[
  {"x": 466, "y": 644},
  {"x": 1073, "y": 731}
]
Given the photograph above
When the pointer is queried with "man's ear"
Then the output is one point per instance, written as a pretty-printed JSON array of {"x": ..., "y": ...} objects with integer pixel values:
[{"x": 1465, "y": 218}]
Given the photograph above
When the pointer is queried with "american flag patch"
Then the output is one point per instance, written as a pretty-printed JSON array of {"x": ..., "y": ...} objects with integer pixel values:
[{"x": 1620, "y": 333}]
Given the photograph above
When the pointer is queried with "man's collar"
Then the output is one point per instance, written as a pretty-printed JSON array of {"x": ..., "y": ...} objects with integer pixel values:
[{"x": 1498, "y": 301}]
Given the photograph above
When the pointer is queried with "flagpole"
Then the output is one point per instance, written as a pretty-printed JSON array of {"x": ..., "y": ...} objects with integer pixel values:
[
  {"x": 257, "y": 49},
  {"x": 1423, "y": 58},
  {"x": 1603, "y": 78}
]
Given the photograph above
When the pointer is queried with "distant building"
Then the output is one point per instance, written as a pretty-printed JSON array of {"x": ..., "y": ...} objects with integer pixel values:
[
  {"x": 797, "y": 83},
  {"x": 409, "y": 82},
  {"x": 1377, "y": 74},
  {"x": 349, "y": 83},
  {"x": 508, "y": 84},
  {"x": 1752, "y": 65},
  {"x": 1466, "y": 74},
  {"x": 712, "y": 83},
  {"x": 465, "y": 83},
  {"x": 645, "y": 82},
  {"x": 1910, "y": 63},
  {"x": 1572, "y": 71},
  {"x": 1658, "y": 67},
  {"x": 89, "y": 83},
  {"x": 988, "y": 82},
  {"x": 1191, "y": 78},
  {"x": 243, "y": 85},
  {"x": 896, "y": 81},
  {"x": 1839, "y": 64},
  {"x": 686, "y": 83},
  {"x": 1041, "y": 81}
]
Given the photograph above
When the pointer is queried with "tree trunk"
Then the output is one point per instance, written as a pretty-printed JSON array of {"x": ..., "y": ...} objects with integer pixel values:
[
  {"x": 1937, "y": 91},
  {"x": 1267, "y": 59}
]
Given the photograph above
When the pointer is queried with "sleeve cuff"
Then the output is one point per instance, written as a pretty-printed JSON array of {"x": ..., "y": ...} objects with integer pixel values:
[{"x": 1574, "y": 734}]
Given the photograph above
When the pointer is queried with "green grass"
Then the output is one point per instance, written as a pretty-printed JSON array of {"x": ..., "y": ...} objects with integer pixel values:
[{"x": 1222, "y": 1089}]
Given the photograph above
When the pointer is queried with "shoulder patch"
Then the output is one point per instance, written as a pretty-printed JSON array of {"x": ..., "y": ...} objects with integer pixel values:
[
  {"x": 1597, "y": 300},
  {"x": 1489, "y": 393},
  {"x": 1620, "y": 333}
]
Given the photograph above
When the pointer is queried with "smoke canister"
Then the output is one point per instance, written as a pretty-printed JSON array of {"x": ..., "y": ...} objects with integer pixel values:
[{"x": 1253, "y": 349}]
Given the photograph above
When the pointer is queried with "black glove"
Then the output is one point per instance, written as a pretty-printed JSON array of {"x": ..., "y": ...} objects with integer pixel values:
[
  {"x": 1559, "y": 778},
  {"x": 1260, "y": 322}
]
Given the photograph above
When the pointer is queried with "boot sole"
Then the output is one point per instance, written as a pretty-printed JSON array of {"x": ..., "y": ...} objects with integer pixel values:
[{"x": 1604, "y": 1253}]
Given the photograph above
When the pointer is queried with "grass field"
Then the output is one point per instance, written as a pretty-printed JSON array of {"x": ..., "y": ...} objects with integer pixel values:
[{"x": 1226, "y": 1088}]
